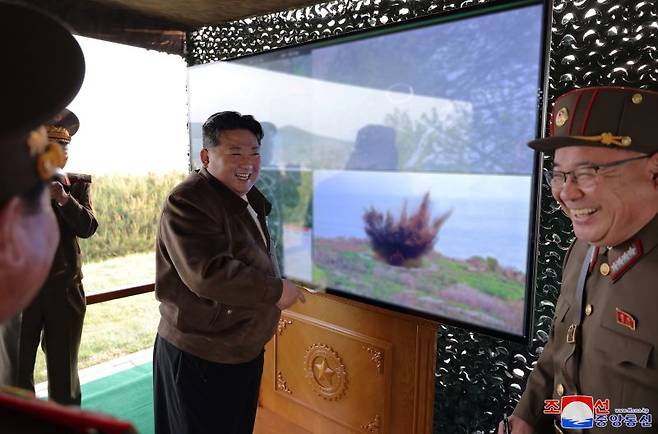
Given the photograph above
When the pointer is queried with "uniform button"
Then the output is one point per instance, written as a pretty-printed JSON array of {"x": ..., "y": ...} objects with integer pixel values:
[
  {"x": 560, "y": 389},
  {"x": 229, "y": 311},
  {"x": 588, "y": 309},
  {"x": 605, "y": 269}
]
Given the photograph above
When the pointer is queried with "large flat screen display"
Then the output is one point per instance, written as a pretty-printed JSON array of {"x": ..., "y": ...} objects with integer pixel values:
[{"x": 397, "y": 162}]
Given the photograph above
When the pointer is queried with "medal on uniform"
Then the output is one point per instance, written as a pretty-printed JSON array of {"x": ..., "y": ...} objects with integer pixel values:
[{"x": 625, "y": 319}]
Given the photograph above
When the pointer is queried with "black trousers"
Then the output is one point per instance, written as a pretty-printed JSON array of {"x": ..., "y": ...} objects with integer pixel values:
[
  {"x": 196, "y": 396},
  {"x": 54, "y": 319}
]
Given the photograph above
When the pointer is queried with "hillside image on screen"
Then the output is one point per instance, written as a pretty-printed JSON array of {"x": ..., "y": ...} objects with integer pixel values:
[
  {"x": 397, "y": 164},
  {"x": 447, "y": 244}
]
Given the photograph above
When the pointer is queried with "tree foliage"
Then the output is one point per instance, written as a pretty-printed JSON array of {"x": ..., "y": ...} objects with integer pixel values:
[{"x": 128, "y": 210}]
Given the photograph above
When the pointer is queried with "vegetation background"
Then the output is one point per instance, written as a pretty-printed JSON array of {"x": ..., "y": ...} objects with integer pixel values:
[
  {"x": 120, "y": 254},
  {"x": 128, "y": 209}
]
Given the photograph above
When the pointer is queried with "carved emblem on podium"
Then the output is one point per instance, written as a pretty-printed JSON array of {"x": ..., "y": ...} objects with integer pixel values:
[
  {"x": 281, "y": 383},
  {"x": 373, "y": 425},
  {"x": 325, "y": 371},
  {"x": 283, "y": 323},
  {"x": 377, "y": 356}
]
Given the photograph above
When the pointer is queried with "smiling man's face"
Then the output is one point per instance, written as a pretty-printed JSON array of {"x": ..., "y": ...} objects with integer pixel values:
[
  {"x": 235, "y": 161},
  {"x": 617, "y": 206}
]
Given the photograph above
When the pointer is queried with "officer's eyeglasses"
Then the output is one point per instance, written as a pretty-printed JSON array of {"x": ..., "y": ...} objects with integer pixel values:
[{"x": 584, "y": 177}]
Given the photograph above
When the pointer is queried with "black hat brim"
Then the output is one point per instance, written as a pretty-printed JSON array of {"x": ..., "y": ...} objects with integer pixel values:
[
  {"x": 44, "y": 67},
  {"x": 550, "y": 144},
  {"x": 67, "y": 119}
]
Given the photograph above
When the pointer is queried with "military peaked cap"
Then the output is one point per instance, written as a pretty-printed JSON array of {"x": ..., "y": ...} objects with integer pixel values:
[
  {"x": 63, "y": 126},
  {"x": 611, "y": 117},
  {"x": 43, "y": 71}
]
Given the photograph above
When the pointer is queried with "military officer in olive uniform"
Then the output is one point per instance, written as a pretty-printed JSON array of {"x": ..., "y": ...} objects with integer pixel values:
[
  {"x": 605, "y": 332},
  {"x": 44, "y": 71},
  {"x": 56, "y": 315}
]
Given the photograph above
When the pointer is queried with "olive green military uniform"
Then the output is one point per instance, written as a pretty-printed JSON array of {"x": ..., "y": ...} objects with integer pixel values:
[
  {"x": 620, "y": 362},
  {"x": 55, "y": 317},
  {"x": 605, "y": 330},
  {"x": 59, "y": 309}
]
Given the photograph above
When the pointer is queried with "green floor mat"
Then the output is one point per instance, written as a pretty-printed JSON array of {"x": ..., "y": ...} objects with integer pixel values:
[{"x": 127, "y": 395}]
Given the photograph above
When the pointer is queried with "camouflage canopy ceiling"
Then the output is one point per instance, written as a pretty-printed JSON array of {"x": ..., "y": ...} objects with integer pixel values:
[
  {"x": 197, "y": 13},
  {"x": 155, "y": 24}
]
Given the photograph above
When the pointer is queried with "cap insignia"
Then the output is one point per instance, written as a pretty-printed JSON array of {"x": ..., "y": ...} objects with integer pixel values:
[
  {"x": 562, "y": 117},
  {"x": 637, "y": 98},
  {"x": 58, "y": 133},
  {"x": 608, "y": 139}
]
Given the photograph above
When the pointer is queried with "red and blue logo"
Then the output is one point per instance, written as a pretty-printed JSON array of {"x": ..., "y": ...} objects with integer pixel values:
[{"x": 577, "y": 412}]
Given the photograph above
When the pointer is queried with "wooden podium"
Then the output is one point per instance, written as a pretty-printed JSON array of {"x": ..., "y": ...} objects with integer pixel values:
[{"x": 340, "y": 366}]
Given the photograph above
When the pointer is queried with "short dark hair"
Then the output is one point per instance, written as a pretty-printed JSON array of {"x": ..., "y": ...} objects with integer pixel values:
[{"x": 228, "y": 120}]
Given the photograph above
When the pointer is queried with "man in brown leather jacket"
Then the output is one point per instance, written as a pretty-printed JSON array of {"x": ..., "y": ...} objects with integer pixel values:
[
  {"x": 219, "y": 287},
  {"x": 55, "y": 316},
  {"x": 604, "y": 340}
]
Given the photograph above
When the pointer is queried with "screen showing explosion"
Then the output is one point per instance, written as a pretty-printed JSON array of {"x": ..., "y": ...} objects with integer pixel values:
[
  {"x": 449, "y": 244},
  {"x": 397, "y": 163}
]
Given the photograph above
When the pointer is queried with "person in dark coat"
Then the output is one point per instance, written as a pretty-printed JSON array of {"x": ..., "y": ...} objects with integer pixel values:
[
  {"x": 44, "y": 71},
  {"x": 55, "y": 317}
]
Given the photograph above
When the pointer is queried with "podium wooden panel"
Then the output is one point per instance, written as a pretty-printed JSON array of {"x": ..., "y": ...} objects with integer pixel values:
[{"x": 339, "y": 366}]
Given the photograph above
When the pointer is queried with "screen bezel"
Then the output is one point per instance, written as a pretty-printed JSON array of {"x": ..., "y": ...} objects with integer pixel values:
[{"x": 536, "y": 184}]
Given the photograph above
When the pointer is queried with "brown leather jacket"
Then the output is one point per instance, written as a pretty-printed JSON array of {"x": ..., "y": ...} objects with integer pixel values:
[{"x": 216, "y": 280}]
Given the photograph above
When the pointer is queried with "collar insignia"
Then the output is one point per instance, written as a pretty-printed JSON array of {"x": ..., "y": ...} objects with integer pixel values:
[
  {"x": 624, "y": 262},
  {"x": 625, "y": 319}
]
